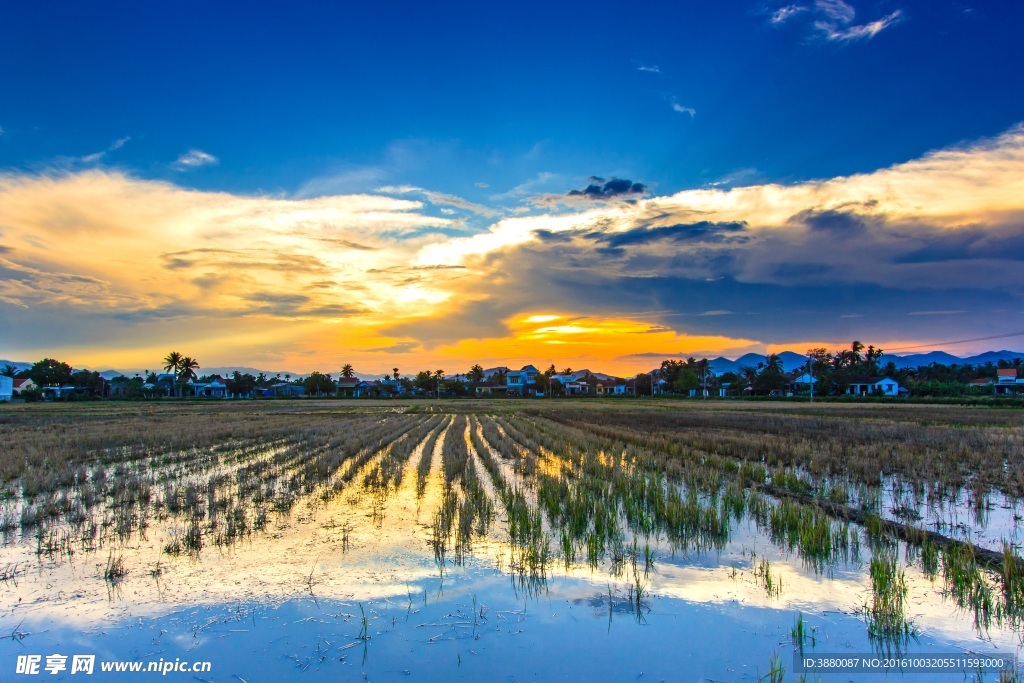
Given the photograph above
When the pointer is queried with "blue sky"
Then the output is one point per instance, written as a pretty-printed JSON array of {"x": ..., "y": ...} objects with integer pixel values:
[
  {"x": 448, "y": 97},
  {"x": 465, "y": 118}
]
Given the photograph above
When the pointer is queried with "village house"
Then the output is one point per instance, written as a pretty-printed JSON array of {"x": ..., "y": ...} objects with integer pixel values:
[
  {"x": 215, "y": 388},
  {"x": 866, "y": 386},
  {"x": 119, "y": 387},
  {"x": 353, "y": 386},
  {"x": 489, "y": 388},
  {"x": 802, "y": 382},
  {"x": 530, "y": 372},
  {"x": 611, "y": 387},
  {"x": 515, "y": 381},
  {"x": 21, "y": 385},
  {"x": 574, "y": 388},
  {"x": 56, "y": 392},
  {"x": 521, "y": 381},
  {"x": 1007, "y": 382},
  {"x": 284, "y": 390}
]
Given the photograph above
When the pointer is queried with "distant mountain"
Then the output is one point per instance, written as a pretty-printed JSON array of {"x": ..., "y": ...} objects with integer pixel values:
[
  {"x": 21, "y": 366},
  {"x": 918, "y": 359},
  {"x": 790, "y": 361},
  {"x": 943, "y": 358},
  {"x": 993, "y": 357},
  {"x": 794, "y": 361}
]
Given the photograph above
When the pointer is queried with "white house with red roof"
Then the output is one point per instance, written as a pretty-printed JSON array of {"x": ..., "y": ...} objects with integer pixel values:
[
  {"x": 21, "y": 385},
  {"x": 1007, "y": 381}
]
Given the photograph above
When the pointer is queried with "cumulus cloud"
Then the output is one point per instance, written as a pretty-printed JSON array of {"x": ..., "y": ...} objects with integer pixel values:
[
  {"x": 104, "y": 250},
  {"x": 941, "y": 233},
  {"x": 612, "y": 272},
  {"x": 194, "y": 158}
]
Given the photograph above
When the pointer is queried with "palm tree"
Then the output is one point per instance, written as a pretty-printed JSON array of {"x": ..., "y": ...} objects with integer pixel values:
[
  {"x": 187, "y": 369},
  {"x": 9, "y": 371},
  {"x": 703, "y": 372},
  {"x": 438, "y": 375},
  {"x": 567, "y": 371},
  {"x": 172, "y": 361},
  {"x": 396, "y": 374},
  {"x": 773, "y": 363},
  {"x": 500, "y": 375},
  {"x": 347, "y": 370},
  {"x": 476, "y": 373}
]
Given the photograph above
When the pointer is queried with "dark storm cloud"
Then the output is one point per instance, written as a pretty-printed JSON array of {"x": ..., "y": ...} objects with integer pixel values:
[
  {"x": 703, "y": 231},
  {"x": 552, "y": 237},
  {"x": 969, "y": 244},
  {"x": 599, "y": 189},
  {"x": 836, "y": 223}
]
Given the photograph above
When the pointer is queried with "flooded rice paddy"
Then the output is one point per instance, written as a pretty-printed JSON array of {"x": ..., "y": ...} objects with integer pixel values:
[{"x": 535, "y": 540}]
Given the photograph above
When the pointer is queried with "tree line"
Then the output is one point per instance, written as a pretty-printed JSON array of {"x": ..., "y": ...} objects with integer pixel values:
[{"x": 833, "y": 372}]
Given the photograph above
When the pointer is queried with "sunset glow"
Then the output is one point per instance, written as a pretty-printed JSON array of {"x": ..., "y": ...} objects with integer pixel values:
[{"x": 112, "y": 257}]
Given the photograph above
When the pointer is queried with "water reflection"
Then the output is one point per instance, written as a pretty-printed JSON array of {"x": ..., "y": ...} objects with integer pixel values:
[{"x": 474, "y": 524}]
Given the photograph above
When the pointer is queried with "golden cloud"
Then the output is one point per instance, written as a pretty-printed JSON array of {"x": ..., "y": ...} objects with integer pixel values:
[{"x": 339, "y": 278}]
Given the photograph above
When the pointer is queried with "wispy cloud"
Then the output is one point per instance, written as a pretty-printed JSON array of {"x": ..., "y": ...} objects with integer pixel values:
[
  {"x": 194, "y": 158},
  {"x": 833, "y": 20},
  {"x": 836, "y": 10},
  {"x": 650, "y": 68},
  {"x": 98, "y": 156},
  {"x": 543, "y": 181},
  {"x": 861, "y": 31},
  {"x": 441, "y": 199},
  {"x": 681, "y": 108},
  {"x": 783, "y": 14}
]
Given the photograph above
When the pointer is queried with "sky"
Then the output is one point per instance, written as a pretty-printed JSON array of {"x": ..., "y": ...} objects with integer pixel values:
[{"x": 299, "y": 186}]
